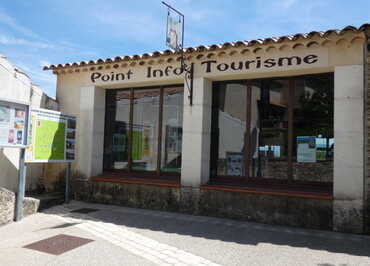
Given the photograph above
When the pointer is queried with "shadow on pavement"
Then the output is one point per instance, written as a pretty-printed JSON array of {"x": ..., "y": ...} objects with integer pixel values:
[{"x": 244, "y": 233}]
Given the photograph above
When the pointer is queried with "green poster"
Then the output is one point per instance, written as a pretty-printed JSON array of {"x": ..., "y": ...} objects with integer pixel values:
[
  {"x": 50, "y": 140},
  {"x": 137, "y": 142}
]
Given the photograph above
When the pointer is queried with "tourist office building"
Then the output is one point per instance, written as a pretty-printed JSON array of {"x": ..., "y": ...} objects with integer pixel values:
[{"x": 271, "y": 130}]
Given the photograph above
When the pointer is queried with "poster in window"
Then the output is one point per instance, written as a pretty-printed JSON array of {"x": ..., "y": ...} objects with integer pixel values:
[
  {"x": 173, "y": 139},
  {"x": 234, "y": 163},
  {"x": 306, "y": 149}
]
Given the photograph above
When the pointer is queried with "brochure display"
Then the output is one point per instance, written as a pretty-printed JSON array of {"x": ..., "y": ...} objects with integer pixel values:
[
  {"x": 52, "y": 137},
  {"x": 13, "y": 124}
]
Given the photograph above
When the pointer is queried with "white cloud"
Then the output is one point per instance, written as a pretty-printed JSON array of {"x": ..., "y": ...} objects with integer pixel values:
[
  {"x": 11, "y": 22},
  {"x": 8, "y": 40}
]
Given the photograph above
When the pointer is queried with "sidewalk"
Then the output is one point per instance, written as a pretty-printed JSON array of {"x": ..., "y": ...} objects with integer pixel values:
[{"x": 113, "y": 235}]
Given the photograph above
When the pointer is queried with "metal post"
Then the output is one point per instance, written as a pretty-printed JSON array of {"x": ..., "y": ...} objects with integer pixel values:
[
  {"x": 68, "y": 177},
  {"x": 21, "y": 186}
]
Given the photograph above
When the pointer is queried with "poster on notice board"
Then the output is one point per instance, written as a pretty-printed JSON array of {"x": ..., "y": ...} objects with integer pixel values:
[
  {"x": 52, "y": 137},
  {"x": 13, "y": 124}
]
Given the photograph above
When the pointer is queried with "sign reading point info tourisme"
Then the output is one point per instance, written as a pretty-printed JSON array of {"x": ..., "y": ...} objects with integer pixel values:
[{"x": 52, "y": 137}]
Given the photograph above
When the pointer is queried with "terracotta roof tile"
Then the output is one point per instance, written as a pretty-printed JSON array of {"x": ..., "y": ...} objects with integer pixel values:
[{"x": 364, "y": 28}]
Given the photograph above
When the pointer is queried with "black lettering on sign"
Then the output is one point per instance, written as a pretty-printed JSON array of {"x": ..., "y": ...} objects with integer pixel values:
[
  {"x": 95, "y": 76},
  {"x": 112, "y": 76},
  {"x": 247, "y": 63},
  {"x": 310, "y": 59},
  {"x": 149, "y": 72},
  {"x": 258, "y": 59},
  {"x": 178, "y": 71},
  {"x": 105, "y": 77},
  {"x": 233, "y": 67},
  {"x": 157, "y": 71},
  {"x": 120, "y": 76},
  {"x": 129, "y": 73},
  {"x": 166, "y": 70},
  {"x": 208, "y": 65},
  {"x": 269, "y": 62},
  {"x": 289, "y": 60},
  {"x": 222, "y": 67}
]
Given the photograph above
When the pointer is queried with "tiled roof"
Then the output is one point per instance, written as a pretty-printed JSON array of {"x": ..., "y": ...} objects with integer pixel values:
[{"x": 202, "y": 48}]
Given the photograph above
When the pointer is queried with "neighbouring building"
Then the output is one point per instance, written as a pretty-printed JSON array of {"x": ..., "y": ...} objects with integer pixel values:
[
  {"x": 274, "y": 130},
  {"x": 16, "y": 85}
]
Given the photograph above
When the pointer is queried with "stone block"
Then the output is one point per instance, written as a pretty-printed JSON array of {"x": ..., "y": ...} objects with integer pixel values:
[
  {"x": 30, "y": 206},
  {"x": 7, "y": 201}
]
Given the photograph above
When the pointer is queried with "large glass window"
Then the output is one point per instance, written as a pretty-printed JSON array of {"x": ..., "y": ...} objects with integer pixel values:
[
  {"x": 279, "y": 129},
  {"x": 143, "y": 130}
]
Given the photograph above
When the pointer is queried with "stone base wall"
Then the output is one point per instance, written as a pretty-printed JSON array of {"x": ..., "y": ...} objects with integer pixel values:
[{"x": 283, "y": 210}]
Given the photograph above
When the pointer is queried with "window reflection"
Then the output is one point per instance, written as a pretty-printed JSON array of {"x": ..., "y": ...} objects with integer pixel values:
[
  {"x": 270, "y": 128},
  {"x": 310, "y": 102},
  {"x": 313, "y": 129},
  {"x": 117, "y": 119},
  {"x": 145, "y": 130},
  {"x": 173, "y": 99},
  {"x": 231, "y": 129},
  {"x": 134, "y": 134}
]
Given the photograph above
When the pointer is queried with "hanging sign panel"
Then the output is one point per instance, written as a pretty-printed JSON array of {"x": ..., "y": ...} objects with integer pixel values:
[
  {"x": 175, "y": 28},
  {"x": 13, "y": 124},
  {"x": 52, "y": 137}
]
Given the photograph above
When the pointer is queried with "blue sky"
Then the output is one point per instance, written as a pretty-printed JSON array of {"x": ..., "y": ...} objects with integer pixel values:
[{"x": 39, "y": 32}]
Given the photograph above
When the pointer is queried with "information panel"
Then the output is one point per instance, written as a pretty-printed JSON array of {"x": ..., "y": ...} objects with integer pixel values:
[
  {"x": 13, "y": 124},
  {"x": 52, "y": 137}
]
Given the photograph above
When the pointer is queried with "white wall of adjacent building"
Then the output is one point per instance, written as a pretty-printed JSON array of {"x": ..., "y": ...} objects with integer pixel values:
[{"x": 16, "y": 85}]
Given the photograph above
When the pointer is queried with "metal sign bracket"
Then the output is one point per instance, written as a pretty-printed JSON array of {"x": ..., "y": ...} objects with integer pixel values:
[{"x": 189, "y": 77}]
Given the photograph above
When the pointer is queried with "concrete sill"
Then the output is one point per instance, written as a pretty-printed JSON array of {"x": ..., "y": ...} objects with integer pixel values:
[
  {"x": 140, "y": 181},
  {"x": 275, "y": 192}
]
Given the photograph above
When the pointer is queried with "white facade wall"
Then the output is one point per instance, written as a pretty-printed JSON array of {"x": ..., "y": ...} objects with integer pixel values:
[{"x": 342, "y": 55}]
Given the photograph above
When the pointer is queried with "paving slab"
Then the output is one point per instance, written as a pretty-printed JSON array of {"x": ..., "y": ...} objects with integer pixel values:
[{"x": 129, "y": 236}]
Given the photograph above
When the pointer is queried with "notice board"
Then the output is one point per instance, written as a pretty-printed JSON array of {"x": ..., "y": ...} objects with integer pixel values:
[
  {"x": 52, "y": 137},
  {"x": 14, "y": 118}
]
